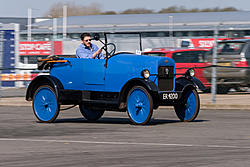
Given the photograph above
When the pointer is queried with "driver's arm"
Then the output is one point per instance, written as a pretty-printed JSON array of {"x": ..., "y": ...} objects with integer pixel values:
[{"x": 98, "y": 52}]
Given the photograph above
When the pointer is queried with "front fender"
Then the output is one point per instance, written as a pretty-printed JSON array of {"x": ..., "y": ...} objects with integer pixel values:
[
  {"x": 43, "y": 80},
  {"x": 148, "y": 84},
  {"x": 184, "y": 82},
  {"x": 198, "y": 83}
]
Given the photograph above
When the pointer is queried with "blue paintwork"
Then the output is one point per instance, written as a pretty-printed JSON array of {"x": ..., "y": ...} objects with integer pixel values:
[
  {"x": 138, "y": 106},
  {"x": 45, "y": 104},
  {"x": 81, "y": 74},
  {"x": 191, "y": 106},
  {"x": 93, "y": 75}
]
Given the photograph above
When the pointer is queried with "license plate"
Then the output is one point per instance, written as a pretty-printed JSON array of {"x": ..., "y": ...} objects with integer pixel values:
[{"x": 170, "y": 96}]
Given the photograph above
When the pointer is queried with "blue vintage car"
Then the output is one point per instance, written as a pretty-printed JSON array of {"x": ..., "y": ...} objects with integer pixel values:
[{"x": 136, "y": 84}]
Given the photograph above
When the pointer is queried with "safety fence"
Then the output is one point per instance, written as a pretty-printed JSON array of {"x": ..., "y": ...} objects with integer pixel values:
[
  {"x": 18, "y": 77},
  {"x": 25, "y": 76}
]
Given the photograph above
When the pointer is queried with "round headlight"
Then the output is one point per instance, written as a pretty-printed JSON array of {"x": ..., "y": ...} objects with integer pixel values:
[
  {"x": 145, "y": 74},
  {"x": 190, "y": 72}
]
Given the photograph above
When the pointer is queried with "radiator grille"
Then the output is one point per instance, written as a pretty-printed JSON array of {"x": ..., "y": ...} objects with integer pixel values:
[{"x": 166, "y": 78}]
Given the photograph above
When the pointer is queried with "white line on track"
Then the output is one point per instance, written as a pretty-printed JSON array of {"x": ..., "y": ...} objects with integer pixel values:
[{"x": 122, "y": 143}]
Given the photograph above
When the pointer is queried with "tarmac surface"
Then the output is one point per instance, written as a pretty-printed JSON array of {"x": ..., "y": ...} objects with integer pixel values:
[
  {"x": 217, "y": 138},
  {"x": 232, "y": 100}
]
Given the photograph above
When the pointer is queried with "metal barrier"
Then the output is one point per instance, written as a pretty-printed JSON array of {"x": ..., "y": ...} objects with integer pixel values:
[
  {"x": 18, "y": 77},
  {"x": 25, "y": 78}
]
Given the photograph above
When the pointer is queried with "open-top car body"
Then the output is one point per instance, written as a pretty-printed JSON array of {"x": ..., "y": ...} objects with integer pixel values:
[{"x": 128, "y": 82}]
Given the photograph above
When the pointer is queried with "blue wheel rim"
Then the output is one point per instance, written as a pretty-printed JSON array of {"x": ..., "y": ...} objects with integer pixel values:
[
  {"x": 138, "y": 106},
  {"x": 191, "y": 106},
  {"x": 45, "y": 104}
]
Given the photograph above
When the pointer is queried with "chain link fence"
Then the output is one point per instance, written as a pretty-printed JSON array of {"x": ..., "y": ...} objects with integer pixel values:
[{"x": 22, "y": 71}]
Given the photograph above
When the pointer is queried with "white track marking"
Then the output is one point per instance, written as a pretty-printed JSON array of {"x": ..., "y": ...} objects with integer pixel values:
[{"x": 122, "y": 143}]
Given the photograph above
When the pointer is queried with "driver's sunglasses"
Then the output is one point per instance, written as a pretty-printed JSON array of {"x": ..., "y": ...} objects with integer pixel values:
[{"x": 87, "y": 40}]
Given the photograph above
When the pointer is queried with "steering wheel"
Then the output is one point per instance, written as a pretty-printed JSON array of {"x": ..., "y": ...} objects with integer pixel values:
[{"x": 109, "y": 53}]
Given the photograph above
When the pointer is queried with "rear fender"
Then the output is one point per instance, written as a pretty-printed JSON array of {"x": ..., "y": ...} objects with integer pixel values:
[{"x": 43, "y": 80}]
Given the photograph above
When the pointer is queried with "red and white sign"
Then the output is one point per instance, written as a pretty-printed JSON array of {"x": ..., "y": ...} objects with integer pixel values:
[
  {"x": 39, "y": 47},
  {"x": 203, "y": 42},
  {"x": 35, "y": 48}
]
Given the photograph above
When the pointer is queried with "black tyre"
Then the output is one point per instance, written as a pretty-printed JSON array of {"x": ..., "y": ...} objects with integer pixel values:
[
  {"x": 222, "y": 90},
  {"x": 189, "y": 110},
  {"x": 91, "y": 115}
]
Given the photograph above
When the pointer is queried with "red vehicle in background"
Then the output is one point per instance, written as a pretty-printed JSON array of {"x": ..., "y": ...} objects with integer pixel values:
[{"x": 184, "y": 58}]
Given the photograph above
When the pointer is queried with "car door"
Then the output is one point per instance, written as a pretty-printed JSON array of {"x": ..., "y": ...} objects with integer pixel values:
[
  {"x": 81, "y": 74},
  {"x": 94, "y": 71}
]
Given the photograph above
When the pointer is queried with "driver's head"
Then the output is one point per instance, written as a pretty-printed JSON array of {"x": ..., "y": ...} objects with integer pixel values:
[{"x": 86, "y": 39}]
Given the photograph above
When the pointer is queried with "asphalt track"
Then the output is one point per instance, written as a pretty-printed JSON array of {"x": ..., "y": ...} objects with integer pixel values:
[{"x": 216, "y": 138}]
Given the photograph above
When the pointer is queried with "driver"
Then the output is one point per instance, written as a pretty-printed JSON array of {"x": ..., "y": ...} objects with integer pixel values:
[{"x": 88, "y": 50}]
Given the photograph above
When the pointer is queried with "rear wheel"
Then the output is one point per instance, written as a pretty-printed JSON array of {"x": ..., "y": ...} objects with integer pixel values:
[
  {"x": 91, "y": 115},
  {"x": 139, "y": 105},
  {"x": 45, "y": 104},
  {"x": 222, "y": 89},
  {"x": 189, "y": 110}
]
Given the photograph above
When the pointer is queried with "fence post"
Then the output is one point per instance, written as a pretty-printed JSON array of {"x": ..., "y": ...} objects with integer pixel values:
[
  {"x": 213, "y": 90},
  {"x": 64, "y": 22},
  {"x": 29, "y": 24},
  {"x": 171, "y": 31},
  {"x": 1, "y": 58},
  {"x": 17, "y": 56}
]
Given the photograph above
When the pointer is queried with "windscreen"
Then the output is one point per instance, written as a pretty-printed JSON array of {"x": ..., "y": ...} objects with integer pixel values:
[
  {"x": 189, "y": 56},
  {"x": 125, "y": 42},
  {"x": 229, "y": 48}
]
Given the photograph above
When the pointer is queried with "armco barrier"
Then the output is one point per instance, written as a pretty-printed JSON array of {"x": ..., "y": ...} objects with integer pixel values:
[{"x": 18, "y": 77}]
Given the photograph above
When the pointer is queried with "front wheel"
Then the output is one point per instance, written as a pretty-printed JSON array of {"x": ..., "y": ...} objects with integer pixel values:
[
  {"x": 139, "y": 105},
  {"x": 45, "y": 104},
  {"x": 188, "y": 110},
  {"x": 91, "y": 115}
]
